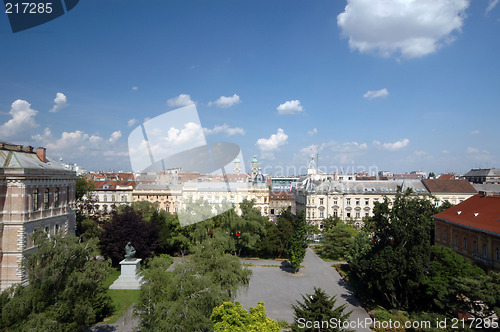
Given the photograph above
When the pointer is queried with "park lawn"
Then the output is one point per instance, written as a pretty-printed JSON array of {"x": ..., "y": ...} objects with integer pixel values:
[{"x": 122, "y": 298}]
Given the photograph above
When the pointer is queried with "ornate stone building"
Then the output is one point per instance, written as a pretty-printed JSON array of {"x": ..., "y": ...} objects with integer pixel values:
[{"x": 36, "y": 192}]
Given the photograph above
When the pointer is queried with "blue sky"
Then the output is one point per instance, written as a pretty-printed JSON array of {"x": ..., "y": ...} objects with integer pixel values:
[{"x": 394, "y": 85}]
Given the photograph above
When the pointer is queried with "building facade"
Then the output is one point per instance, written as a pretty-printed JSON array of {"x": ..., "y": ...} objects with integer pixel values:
[
  {"x": 36, "y": 192},
  {"x": 472, "y": 229},
  {"x": 350, "y": 201},
  {"x": 483, "y": 175}
]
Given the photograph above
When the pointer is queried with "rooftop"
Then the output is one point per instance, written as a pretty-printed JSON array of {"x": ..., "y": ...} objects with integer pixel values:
[
  {"x": 479, "y": 212},
  {"x": 449, "y": 186}
]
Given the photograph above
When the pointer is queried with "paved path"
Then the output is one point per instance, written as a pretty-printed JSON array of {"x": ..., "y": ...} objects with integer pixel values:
[{"x": 279, "y": 289}]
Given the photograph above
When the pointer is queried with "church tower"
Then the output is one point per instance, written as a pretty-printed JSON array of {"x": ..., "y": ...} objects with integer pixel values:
[
  {"x": 237, "y": 166},
  {"x": 255, "y": 167}
]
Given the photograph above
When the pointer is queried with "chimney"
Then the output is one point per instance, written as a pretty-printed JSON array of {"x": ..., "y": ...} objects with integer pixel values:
[{"x": 41, "y": 154}]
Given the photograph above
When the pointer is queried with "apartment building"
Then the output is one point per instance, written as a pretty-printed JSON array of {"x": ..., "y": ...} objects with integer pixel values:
[{"x": 472, "y": 229}]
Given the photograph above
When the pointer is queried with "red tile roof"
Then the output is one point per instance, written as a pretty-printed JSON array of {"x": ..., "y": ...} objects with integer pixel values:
[
  {"x": 479, "y": 212},
  {"x": 449, "y": 186},
  {"x": 111, "y": 185}
]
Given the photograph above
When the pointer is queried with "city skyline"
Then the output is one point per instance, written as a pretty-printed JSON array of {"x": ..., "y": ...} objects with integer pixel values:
[{"x": 395, "y": 85}]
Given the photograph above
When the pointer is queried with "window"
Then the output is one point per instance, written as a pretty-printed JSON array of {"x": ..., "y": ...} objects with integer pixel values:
[
  {"x": 439, "y": 233},
  {"x": 456, "y": 240},
  {"x": 474, "y": 246},
  {"x": 465, "y": 242},
  {"x": 105, "y": 198},
  {"x": 321, "y": 201},
  {"x": 348, "y": 201},
  {"x": 497, "y": 255},
  {"x": 124, "y": 198},
  {"x": 349, "y": 214},
  {"x": 56, "y": 197},
  {"x": 321, "y": 214},
  {"x": 67, "y": 195},
  {"x": 357, "y": 215},
  {"x": 367, "y": 214},
  {"x": 35, "y": 199},
  {"x": 335, "y": 202},
  {"x": 485, "y": 251},
  {"x": 313, "y": 214},
  {"x": 357, "y": 201},
  {"x": 57, "y": 228},
  {"x": 445, "y": 235},
  {"x": 367, "y": 201},
  {"x": 335, "y": 213},
  {"x": 46, "y": 199}
]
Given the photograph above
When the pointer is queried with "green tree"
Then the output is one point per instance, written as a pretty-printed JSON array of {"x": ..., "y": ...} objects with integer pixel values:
[
  {"x": 330, "y": 222},
  {"x": 275, "y": 241},
  {"x": 297, "y": 245},
  {"x": 174, "y": 239},
  {"x": 229, "y": 317},
  {"x": 337, "y": 241},
  {"x": 128, "y": 226},
  {"x": 444, "y": 272},
  {"x": 183, "y": 300},
  {"x": 479, "y": 294},
  {"x": 318, "y": 307},
  {"x": 394, "y": 268},
  {"x": 65, "y": 290},
  {"x": 82, "y": 188}
]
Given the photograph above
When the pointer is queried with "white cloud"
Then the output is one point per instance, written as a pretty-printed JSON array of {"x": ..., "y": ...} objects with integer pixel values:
[
  {"x": 224, "y": 102},
  {"x": 274, "y": 142},
  {"x": 131, "y": 122},
  {"x": 398, "y": 145},
  {"x": 475, "y": 132},
  {"x": 115, "y": 136},
  {"x": 226, "y": 129},
  {"x": 446, "y": 151},
  {"x": 40, "y": 137},
  {"x": 477, "y": 154},
  {"x": 60, "y": 102},
  {"x": 376, "y": 94},
  {"x": 312, "y": 132},
  {"x": 491, "y": 5},
  {"x": 23, "y": 120},
  {"x": 180, "y": 101},
  {"x": 409, "y": 27},
  {"x": 290, "y": 107},
  {"x": 135, "y": 88}
]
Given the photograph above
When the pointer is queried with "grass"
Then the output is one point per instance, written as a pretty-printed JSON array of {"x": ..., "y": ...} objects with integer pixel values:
[{"x": 122, "y": 299}]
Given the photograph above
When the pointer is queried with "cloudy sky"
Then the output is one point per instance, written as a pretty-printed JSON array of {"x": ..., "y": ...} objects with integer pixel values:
[{"x": 396, "y": 85}]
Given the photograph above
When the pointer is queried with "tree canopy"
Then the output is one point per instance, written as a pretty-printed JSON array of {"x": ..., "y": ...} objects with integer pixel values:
[
  {"x": 318, "y": 307},
  {"x": 128, "y": 226},
  {"x": 65, "y": 291},
  {"x": 232, "y": 317},
  {"x": 183, "y": 300}
]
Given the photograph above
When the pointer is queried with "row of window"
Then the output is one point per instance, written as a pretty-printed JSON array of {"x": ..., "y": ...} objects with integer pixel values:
[
  {"x": 348, "y": 201},
  {"x": 336, "y": 214},
  {"x": 464, "y": 243},
  {"x": 46, "y": 198}
]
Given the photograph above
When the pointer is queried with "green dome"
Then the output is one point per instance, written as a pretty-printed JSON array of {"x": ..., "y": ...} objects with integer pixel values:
[
  {"x": 254, "y": 160},
  {"x": 237, "y": 160}
]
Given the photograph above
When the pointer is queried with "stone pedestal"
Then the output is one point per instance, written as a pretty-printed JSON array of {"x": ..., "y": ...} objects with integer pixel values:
[{"x": 129, "y": 278}]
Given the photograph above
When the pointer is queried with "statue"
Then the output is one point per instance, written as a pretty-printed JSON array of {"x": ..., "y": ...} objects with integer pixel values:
[{"x": 129, "y": 252}]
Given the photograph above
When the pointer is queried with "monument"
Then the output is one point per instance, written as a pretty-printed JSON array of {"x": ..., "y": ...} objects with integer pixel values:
[{"x": 129, "y": 277}]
